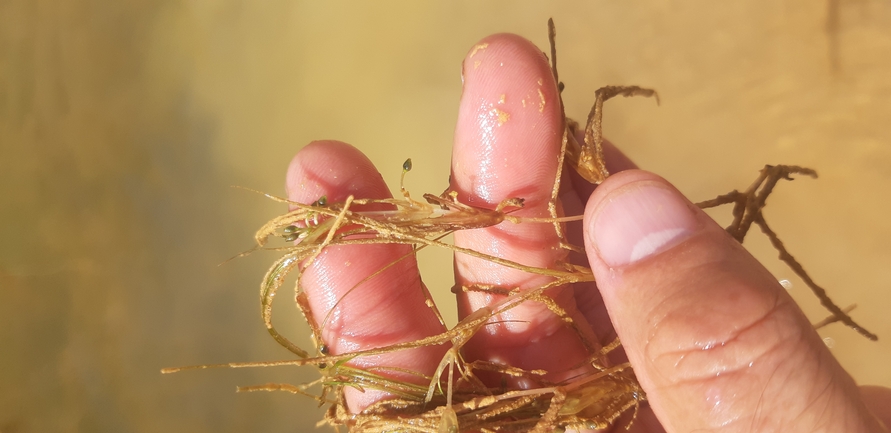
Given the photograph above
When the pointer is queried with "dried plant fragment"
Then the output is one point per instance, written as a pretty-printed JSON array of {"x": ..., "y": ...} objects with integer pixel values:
[{"x": 747, "y": 209}]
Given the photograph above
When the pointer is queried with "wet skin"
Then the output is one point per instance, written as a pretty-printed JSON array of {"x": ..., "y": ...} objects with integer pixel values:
[{"x": 714, "y": 339}]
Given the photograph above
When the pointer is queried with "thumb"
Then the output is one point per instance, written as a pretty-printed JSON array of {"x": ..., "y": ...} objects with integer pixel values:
[{"x": 714, "y": 339}]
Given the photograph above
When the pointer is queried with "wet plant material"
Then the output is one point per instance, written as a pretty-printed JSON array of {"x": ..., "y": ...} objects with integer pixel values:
[{"x": 454, "y": 399}]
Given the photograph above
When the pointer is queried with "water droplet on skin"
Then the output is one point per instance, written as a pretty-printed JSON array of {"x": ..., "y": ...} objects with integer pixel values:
[
  {"x": 829, "y": 342},
  {"x": 786, "y": 284}
]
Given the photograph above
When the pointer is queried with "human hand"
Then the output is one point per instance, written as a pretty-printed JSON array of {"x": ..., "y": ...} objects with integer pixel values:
[{"x": 715, "y": 341}]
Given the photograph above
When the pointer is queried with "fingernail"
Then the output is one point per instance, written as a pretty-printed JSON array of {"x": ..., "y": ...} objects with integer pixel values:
[{"x": 640, "y": 220}]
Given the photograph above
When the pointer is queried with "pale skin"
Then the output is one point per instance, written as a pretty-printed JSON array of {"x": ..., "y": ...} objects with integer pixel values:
[{"x": 713, "y": 338}]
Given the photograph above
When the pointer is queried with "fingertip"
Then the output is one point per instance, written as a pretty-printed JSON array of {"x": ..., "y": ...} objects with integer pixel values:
[
  {"x": 509, "y": 124},
  {"x": 636, "y": 215},
  {"x": 334, "y": 168},
  {"x": 507, "y": 55}
]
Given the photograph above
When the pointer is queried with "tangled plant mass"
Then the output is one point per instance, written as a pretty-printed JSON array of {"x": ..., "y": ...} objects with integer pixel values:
[{"x": 454, "y": 398}]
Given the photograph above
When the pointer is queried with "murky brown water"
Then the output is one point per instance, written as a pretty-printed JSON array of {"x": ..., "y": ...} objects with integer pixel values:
[{"x": 122, "y": 128}]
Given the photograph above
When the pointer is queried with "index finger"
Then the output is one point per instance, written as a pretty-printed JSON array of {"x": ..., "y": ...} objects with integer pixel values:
[{"x": 363, "y": 296}]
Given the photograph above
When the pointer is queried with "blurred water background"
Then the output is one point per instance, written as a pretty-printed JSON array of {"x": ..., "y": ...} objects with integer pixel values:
[{"x": 123, "y": 125}]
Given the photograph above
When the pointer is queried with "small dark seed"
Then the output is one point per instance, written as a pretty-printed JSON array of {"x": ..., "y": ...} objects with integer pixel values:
[
  {"x": 323, "y": 200},
  {"x": 406, "y": 166},
  {"x": 291, "y": 237},
  {"x": 323, "y": 365},
  {"x": 323, "y": 349},
  {"x": 290, "y": 229}
]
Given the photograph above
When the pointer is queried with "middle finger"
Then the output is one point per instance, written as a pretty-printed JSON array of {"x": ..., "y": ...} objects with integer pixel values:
[{"x": 506, "y": 145}]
